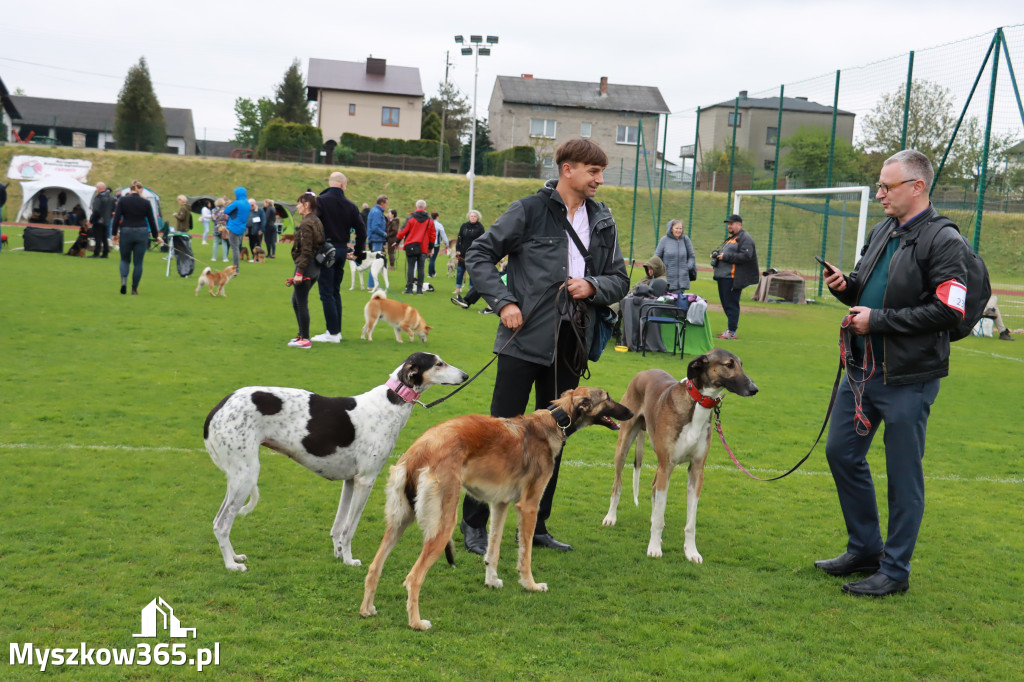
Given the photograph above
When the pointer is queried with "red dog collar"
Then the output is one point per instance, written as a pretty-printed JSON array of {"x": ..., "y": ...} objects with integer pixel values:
[
  {"x": 701, "y": 399},
  {"x": 403, "y": 391}
]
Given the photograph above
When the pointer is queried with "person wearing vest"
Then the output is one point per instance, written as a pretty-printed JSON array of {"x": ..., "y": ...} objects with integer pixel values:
[
  {"x": 533, "y": 233},
  {"x": 735, "y": 265},
  {"x": 903, "y": 302}
]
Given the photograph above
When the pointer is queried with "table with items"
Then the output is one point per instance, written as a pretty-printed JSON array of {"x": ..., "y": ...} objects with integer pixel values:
[{"x": 690, "y": 307}]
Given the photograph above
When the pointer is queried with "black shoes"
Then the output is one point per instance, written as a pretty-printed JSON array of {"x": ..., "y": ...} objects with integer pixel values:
[
  {"x": 124, "y": 288},
  {"x": 459, "y": 301},
  {"x": 878, "y": 585},
  {"x": 1003, "y": 335},
  {"x": 545, "y": 540},
  {"x": 475, "y": 539},
  {"x": 846, "y": 564}
]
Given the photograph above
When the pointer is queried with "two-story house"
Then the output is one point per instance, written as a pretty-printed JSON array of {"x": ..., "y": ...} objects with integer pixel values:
[
  {"x": 545, "y": 113},
  {"x": 757, "y": 125},
  {"x": 371, "y": 98}
]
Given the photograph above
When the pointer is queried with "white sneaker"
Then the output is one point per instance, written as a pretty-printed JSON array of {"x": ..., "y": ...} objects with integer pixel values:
[
  {"x": 300, "y": 343},
  {"x": 327, "y": 337}
]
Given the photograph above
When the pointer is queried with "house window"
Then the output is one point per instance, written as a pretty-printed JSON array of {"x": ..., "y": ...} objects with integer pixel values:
[
  {"x": 540, "y": 127},
  {"x": 735, "y": 119},
  {"x": 769, "y": 165},
  {"x": 351, "y": 109},
  {"x": 772, "y": 137},
  {"x": 627, "y": 134},
  {"x": 389, "y": 116},
  {"x": 586, "y": 129}
]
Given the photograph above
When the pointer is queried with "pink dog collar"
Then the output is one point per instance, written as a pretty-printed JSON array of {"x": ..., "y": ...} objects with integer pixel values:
[{"x": 403, "y": 391}]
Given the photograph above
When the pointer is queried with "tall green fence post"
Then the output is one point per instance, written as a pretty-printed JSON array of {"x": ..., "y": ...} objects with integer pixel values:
[
  {"x": 661, "y": 188},
  {"x": 775, "y": 172},
  {"x": 828, "y": 178},
  {"x": 693, "y": 172},
  {"x": 732, "y": 156},
  {"x": 906, "y": 100},
  {"x": 979, "y": 210}
]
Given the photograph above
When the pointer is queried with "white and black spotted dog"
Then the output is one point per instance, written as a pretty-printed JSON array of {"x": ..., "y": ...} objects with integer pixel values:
[
  {"x": 346, "y": 439},
  {"x": 376, "y": 262}
]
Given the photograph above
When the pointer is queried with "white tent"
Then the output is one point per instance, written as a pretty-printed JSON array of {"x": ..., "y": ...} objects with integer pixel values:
[{"x": 74, "y": 191}]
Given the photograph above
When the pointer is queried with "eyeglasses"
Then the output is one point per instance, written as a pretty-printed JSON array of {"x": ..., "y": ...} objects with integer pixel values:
[{"x": 884, "y": 188}]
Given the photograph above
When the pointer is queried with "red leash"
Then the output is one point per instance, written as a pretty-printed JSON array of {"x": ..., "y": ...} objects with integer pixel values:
[{"x": 861, "y": 422}]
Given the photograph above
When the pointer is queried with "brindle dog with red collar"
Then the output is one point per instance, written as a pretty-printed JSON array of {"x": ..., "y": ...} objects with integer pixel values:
[{"x": 678, "y": 416}]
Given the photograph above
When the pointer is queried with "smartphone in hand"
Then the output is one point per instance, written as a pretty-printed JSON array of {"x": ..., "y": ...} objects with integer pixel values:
[{"x": 828, "y": 268}]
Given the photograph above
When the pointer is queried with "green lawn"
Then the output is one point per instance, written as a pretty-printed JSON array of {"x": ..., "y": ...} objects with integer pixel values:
[{"x": 108, "y": 498}]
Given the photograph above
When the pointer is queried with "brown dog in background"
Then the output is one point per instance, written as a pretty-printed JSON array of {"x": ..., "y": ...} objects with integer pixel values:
[
  {"x": 243, "y": 253},
  {"x": 402, "y": 316},
  {"x": 216, "y": 279},
  {"x": 498, "y": 461},
  {"x": 259, "y": 255},
  {"x": 286, "y": 239}
]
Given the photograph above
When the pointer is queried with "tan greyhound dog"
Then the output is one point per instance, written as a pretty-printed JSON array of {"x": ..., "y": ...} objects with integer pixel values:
[{"x": 678, "y": 416}]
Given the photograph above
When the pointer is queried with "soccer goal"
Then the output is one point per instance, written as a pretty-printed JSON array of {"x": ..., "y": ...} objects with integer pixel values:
[{"x": 790, "y": 226}]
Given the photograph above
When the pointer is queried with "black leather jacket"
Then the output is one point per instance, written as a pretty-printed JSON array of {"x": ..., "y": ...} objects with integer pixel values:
[
  {"x": 913, "y": 323},
  {"x": 538, "y": 249}
]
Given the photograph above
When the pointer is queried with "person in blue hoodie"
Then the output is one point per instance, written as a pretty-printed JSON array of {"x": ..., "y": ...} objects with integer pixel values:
[
  {"x": 377, "y": 228},
  {"x": 238, "y": 215}
]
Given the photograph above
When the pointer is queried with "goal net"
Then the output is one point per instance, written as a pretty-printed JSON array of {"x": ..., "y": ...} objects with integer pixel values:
[{"x": 792, "y": 226}]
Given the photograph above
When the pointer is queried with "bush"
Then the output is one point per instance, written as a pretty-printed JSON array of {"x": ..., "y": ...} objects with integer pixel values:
[
  {"x": 280, "y": 134},
  {"x": 387, "y": 145}
]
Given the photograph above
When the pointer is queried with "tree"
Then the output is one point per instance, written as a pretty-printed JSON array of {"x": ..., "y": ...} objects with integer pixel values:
[
  {"x": 252, "y": 117},
  {"x": 483, "y": 145},
  {"x": 138, "y": 118},
  {"x": 806, "y": 157},
  {"x": 290, "y": 97},
  {"x": 717, "y": 161},
  {"x": 457, "y": 113},
  {"x": 430, "y": 129}
]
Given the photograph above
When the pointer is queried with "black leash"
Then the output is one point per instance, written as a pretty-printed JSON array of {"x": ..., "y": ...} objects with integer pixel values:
[
  {"x": 860, "y": 421},
  {"x": 526, "y": 320}
]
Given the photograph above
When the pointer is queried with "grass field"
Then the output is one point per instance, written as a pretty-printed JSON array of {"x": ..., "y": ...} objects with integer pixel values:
[{"x": 108, "y": 498}]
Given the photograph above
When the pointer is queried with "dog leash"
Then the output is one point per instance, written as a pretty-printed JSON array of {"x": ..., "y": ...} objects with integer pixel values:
[
  {"x": 526, "y": 319},
  {"x": 860, "y": 420}
]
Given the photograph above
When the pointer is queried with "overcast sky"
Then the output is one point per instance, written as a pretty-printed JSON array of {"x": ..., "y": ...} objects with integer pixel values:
[{"x": 697, "y": 53}]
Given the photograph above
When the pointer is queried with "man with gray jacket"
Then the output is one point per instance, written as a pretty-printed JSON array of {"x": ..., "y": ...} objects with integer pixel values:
[
  {"x": 548, "y": 282},
  {"x": 735, "y": 265}
]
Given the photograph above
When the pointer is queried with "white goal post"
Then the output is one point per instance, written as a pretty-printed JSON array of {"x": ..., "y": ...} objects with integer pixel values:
[{"x": 862, "y": 220}]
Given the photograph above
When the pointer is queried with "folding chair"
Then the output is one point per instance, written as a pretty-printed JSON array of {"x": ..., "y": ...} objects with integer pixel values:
[{"x": 659, "y": 315}]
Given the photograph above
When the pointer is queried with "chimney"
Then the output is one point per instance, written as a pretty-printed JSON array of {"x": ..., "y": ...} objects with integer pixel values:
[
  {"x": 743, "y": 94},
  {"x": 527, "y": 76},
  {"x": 376, "y": 67},
  {"x": 604, "y": 86}
]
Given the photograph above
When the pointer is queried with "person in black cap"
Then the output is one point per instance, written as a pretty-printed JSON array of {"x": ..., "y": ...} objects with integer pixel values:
[{"x": 735, "y": 264}]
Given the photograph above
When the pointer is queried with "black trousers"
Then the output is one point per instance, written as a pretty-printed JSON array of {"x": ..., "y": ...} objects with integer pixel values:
[
  {"x": 730, "y": 299},
  {"x": 99, "y": 234},
  {"x": 513, "y": 383}
]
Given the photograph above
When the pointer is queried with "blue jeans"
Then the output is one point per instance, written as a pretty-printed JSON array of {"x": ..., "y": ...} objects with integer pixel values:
[
  {"x": 433, "y": 259},
  {"x": 133, "y": 245},
  {"x": 905, "y": 410},
  {"x": 330, "y": 290},
  {"x": 460, "y": 271}
]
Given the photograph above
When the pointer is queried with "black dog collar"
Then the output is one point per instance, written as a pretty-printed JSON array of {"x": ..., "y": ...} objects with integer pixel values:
[{"x": 563, "y": 420}]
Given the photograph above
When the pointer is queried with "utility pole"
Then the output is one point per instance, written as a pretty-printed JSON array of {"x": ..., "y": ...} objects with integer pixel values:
[{"x": 444, "y": 94}]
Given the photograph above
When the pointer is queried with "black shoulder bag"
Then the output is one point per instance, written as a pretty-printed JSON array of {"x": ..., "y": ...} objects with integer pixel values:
[{"x": 606, "y": 317}]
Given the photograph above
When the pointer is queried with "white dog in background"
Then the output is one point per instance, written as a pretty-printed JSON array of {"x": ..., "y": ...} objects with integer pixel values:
[{"x": 376, "y": 263}]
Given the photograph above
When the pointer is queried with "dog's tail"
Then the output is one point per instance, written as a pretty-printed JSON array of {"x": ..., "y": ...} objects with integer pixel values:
[
  {"x": 254, "y": 497},
  {"x": 205, "y": 271},
  {"x": 638, "y": 461},
  {"x": 379, "y": 293},
  {"x": 398, "y": 507}
]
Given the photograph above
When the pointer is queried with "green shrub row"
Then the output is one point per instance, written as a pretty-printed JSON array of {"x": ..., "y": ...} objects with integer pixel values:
[{"x": 388, "y": 145}]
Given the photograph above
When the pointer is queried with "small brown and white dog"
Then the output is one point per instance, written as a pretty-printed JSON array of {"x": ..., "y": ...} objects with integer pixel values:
[
  {"x": 259, "y": 255},
  {"x": 216, "y": 279},
  {"x": 243, "y": 253},
  {"x": 677, "y": 415},
  {"x": 498, "y": 461},
  {"x": 402, "y": 316}
]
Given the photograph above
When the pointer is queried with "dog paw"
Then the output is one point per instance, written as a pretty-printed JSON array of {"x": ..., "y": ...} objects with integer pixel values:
[
  {"x": 420, "y": 625},
  {"x": 654, "y": 551},
  {"x": 693, "y": 555},
  {"x": 241, "y": 568},
  {"x": 496, "y": 583},
  {"x": 368, "y": 611},
  {"x": 241, "y": 558},
  {"x": 534, "y": 587},
  {"x": 353, "y": 562},
  {"x": 609, "y": 520}
]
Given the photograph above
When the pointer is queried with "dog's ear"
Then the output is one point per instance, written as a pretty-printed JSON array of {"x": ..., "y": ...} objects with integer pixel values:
[
  {"x": 581, "y": 407},
  {"x": 696, "y": 369},
  {"x": 410, "y": 374}
]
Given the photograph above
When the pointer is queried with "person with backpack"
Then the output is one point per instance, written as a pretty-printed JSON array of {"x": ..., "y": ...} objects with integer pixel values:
[{"x": 908, "y": 294}]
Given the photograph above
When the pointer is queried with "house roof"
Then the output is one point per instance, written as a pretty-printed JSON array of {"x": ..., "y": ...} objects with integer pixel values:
[
  {"x": 5, "y": 101},
  {"x": 331, "y": 74},
  {"x": 582, "y": 95},
  {"x": 64, "y": 113},
  {"x": 789, "y": 104}
]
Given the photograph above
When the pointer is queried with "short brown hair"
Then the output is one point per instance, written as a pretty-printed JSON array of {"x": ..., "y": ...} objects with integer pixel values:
[
  {"x": 581, "y": 150},
  {"x": 382, "y": 199}
]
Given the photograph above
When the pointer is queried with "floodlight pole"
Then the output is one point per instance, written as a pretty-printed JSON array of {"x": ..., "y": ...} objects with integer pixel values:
[{"x": 475, "y": 43}]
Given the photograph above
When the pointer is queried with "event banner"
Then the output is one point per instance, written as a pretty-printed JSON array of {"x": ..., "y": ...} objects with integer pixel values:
[{"x": 39, "y": 167}]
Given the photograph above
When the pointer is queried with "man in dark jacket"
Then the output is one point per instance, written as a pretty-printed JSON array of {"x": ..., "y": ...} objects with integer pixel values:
[
  {"x": 533, "y": 234},
  {"x": 735, "y": 268},
  {"x": 339, "y": 217},
  {"x": 906, "y": 292},
  {"x": 100, "y": 212}
]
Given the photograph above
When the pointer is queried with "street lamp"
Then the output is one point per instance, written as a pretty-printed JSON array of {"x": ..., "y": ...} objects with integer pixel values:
[{"x": 474, "y": 46}]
